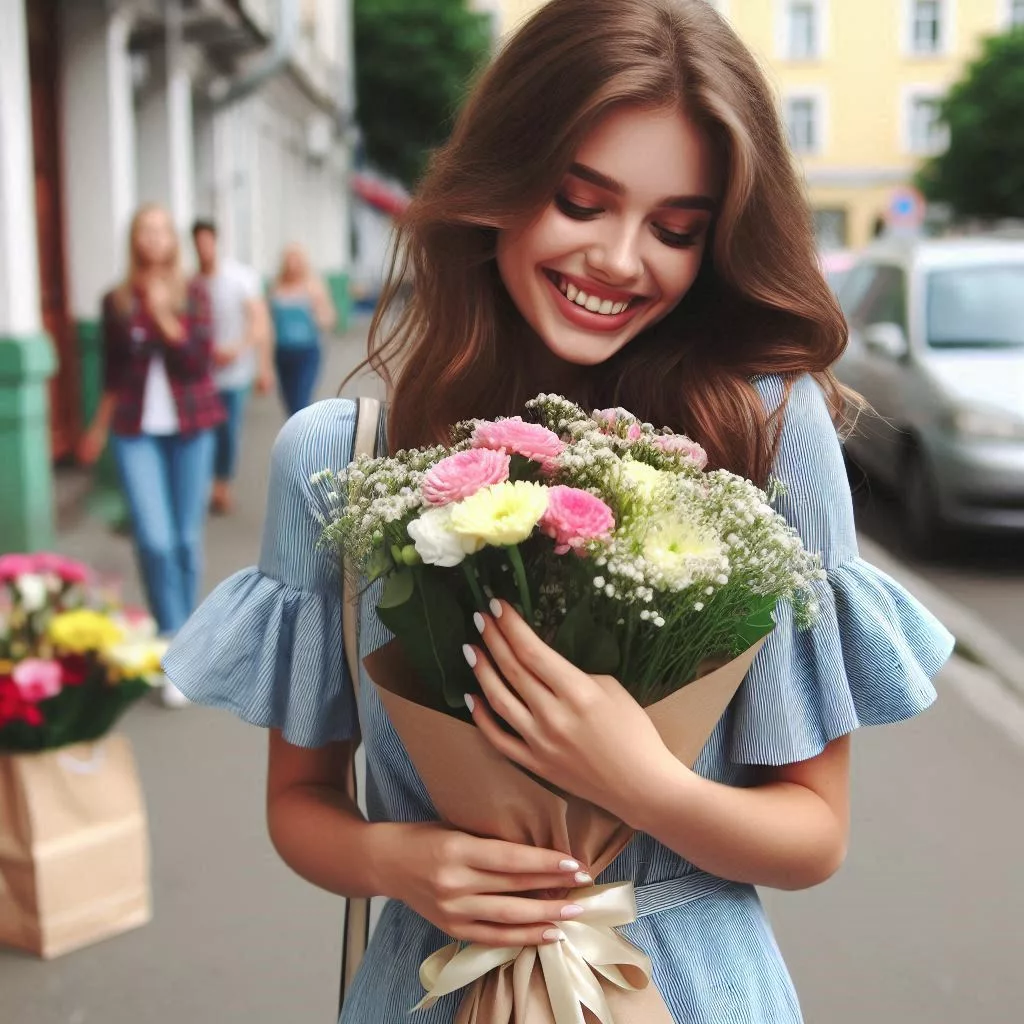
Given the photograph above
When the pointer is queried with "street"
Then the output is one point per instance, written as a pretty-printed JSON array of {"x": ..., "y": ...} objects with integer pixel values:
[{"x": 922, "y": 925}]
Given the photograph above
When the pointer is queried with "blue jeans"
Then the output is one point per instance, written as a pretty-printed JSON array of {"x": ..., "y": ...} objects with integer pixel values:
[
  {"x": 226, "y": 458},
  {"x": 166, "y": 482},
  {"x": 297, "y": 370}
]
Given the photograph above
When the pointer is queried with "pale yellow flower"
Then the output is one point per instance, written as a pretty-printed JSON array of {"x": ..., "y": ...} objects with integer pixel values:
[
  {"x": 136, "y": 659},
  {"x": 644, "y": 478},
  {"x": 83, "y": 630},
  {"x": 681, "y": 550},
  {"x": 501, "y": 515}
]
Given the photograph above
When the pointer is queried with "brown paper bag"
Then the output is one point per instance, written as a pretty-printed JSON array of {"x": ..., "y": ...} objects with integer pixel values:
[
  {"x": 74, "y": 847},
  {"x": 477, "y": 790}
]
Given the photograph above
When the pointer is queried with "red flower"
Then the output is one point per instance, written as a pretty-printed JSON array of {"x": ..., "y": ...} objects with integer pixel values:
[{"x": 76, "y": 669}]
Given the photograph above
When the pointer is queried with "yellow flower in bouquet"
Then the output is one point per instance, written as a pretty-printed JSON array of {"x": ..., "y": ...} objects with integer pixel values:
[
  {"x": 136, "y": 659},
  {"x": 681, "y": 551},
  {"x": 646, "y": 479},
  {"x": 501, "y": 515},
  {"x": 83, "y": 630}
]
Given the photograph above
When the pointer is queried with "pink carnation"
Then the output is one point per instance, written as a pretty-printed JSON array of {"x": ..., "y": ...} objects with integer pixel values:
[
  {"x": 67, "y": 569},
  {"x": 678, "y": 444},
  {"x": 463, "y": 474},
  {"x": 13, "y": 566},
  {"x": 530, "y": 440},
  {"x": 37, "y": 679},
  {"x": 608, "y": 420},
  {"x": 575, "y": 517}
]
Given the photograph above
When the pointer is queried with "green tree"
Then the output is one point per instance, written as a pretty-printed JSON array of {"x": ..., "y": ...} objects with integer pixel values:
[
  {"x": 414, "y": 60},
  {"x": 981, "y": 174}
]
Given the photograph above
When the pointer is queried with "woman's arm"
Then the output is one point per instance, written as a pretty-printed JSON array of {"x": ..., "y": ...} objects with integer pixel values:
[
  {"x": 323, "y": 308},
  {"x": 191, "y": 357},
  {"x": 465, "y": 885}
]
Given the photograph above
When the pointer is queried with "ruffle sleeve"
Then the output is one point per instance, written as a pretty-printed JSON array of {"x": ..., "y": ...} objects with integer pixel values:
[
  {"x": 267, "y": 643},
  {"x": 871, "y": 655}
]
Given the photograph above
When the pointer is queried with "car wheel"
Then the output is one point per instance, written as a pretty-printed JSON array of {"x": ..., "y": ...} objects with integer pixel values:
[{"x": 922, "y": 521}]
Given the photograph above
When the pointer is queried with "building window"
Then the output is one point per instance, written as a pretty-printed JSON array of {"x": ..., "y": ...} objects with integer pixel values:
[
  {"x": 1015, "y": 19},
  {"x": 830, "y": 228},
  {"x": 802, "y": 30},
  {"x": 926, "y": 133},
  {"x": 803, "y": 124},
  {"x": 927, "y": 31}
]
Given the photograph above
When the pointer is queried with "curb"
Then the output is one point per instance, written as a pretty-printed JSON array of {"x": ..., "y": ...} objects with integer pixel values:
[{"x": 975, "y": 640}]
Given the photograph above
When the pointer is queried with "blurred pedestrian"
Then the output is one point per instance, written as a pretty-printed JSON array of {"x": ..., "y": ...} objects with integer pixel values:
[
  {"x": 302, "y": 311},
  {"x": 161, "y": 409},
  {"x": 241, "y": 349}
]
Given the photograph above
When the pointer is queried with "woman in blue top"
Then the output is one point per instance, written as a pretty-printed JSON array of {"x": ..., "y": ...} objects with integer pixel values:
[
  {"x": 302, "y": 312},
  {"x": 616, "y": 217}
]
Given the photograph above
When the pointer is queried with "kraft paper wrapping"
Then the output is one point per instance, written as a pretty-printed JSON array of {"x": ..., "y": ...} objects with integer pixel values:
[
  {"x": 74, "y": 847},
  {"x": 596, "y": 975}
]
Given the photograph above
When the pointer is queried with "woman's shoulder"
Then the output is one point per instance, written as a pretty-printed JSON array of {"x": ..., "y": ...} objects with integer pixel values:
[{"x": 319, "y": 436}]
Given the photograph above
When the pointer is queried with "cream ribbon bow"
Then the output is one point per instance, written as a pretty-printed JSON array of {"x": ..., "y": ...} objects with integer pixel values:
[{"x": 572, "y": 969}]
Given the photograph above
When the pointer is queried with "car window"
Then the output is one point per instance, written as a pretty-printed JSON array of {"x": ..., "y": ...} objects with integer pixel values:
[
  {"x": 852, "y": 289},
  {"x": 976, "y": 307},
  {"x": 884, "y": 300}
]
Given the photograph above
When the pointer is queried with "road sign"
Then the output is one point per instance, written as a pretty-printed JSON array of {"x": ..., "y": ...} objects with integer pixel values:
[{"x": 906, "y": 208}]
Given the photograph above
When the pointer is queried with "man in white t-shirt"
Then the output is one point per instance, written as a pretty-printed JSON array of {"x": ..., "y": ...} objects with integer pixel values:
[{"x": 241, "y": 342}]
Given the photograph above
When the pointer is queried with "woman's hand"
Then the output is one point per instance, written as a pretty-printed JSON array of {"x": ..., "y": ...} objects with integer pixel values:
[
  {"x": 91, "y": 444},
  {"x": 585, "y": 734},
  {"x": 464, "y": 885},
  {"x": 160, "y": 303}
]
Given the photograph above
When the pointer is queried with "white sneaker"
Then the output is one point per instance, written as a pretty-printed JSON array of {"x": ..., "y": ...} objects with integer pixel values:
[{"x": 172, "y": 697}]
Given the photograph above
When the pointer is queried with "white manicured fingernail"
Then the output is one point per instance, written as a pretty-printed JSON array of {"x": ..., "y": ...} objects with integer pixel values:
[
  {"x": 469, "y": 654},
  {"x": 569, "y": 865},
  {"x": 554, "y": 935},
  {"x": 470, "y": 703},
  {"x": 583, "y": 878},
  {"x": 478, "y": 621},
  {"x": 495, "y": 607}
]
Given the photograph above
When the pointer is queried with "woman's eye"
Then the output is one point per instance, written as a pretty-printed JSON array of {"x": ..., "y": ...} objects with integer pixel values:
[
  {"x": 676, "y": 239},
  {"x": 574, "y": 210}
]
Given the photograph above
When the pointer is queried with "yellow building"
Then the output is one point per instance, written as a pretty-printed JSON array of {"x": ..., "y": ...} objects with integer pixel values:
[{"x": 858, "y": 83}]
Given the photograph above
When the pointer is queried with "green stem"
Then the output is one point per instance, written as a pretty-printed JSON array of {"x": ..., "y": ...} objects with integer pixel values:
[
  {"x": 474, "y": 584},
  {"x": 519, "y": 569}
]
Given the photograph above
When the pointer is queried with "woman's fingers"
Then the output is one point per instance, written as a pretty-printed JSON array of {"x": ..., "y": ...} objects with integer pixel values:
[
  {"x": 487, "y": 882},
  {"x": 499, "y": 937},
  {"x": 518, "y": 910},
  {"x": 496, "y": 856},
  {"x": 531, "y": 690},
  {"x": 500, "y": 696}
]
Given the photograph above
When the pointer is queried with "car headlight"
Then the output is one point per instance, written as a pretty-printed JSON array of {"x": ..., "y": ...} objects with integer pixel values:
[{"x": 988, "y": 425}]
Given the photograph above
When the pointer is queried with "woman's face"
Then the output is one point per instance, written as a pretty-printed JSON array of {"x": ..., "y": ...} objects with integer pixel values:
[
  {"x": 154, "y": 238},
  {"x": 622, "y": 240},
  {"x": 293, "y": 265}
]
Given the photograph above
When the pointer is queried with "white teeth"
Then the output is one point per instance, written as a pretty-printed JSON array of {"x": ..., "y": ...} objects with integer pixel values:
[{"x": 605, "y": 307}]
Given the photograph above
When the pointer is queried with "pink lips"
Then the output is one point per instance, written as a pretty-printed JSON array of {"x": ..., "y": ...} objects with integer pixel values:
[{"x": 584, "y": 318}]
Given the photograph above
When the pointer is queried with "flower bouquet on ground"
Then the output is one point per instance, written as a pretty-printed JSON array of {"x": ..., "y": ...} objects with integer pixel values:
[
  {"x": 627, "y": 556},
  {"x": 73, "y": 839}
]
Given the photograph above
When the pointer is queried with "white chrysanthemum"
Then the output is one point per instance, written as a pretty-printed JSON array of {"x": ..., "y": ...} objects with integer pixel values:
[{"x": 435, "y": 540}]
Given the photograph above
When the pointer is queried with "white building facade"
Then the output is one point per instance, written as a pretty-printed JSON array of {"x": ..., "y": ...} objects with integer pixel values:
[{"x": 237, "y": 110}]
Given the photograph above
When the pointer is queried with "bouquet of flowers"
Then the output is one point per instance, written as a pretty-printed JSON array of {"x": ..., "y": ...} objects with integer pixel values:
[
  {"x": 609, "y": 536},
  {"x": 631, "y": 559},
  {"x": 71, "y": 660}
]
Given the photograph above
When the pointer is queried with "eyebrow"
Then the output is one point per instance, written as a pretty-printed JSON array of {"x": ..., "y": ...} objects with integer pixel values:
[{"x": 611, "y": 185}]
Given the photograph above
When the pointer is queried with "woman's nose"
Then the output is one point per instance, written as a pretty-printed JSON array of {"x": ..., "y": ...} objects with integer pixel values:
[{"x": 616, "y": 257}]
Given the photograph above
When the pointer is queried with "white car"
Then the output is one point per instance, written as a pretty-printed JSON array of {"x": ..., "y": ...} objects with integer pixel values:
[{"x": 937, "y": 349}]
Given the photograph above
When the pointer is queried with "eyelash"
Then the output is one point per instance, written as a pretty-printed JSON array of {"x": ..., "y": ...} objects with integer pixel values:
[{"x": 673, "y": 239}]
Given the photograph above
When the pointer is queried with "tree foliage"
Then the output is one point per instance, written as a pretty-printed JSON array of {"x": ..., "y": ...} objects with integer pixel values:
[
  {"x": 414, "y": 60},
  {"x": 981, "y": 174}
]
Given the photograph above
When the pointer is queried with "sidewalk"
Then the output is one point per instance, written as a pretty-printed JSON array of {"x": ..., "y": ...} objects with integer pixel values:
[{"x": 235, "y": 936}]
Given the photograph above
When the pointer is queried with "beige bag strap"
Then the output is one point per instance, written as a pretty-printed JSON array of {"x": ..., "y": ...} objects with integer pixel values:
[{"x": 357, "y": 911}]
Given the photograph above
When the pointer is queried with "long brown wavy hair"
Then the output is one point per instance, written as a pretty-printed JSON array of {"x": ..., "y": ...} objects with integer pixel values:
[{"x": 450, "y": 350}]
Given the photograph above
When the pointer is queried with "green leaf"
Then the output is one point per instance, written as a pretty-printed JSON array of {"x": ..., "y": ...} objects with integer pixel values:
[
  {"x": 379, "y": 563},
  {"x": 586, "y": 644},
  {"x": 398, "y": 589},
  {"x": 432, "y": 630},
  {"x": 758, "y": 623}
]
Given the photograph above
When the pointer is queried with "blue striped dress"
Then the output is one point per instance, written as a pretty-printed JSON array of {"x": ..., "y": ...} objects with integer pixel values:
[{"x": 267, "y": 645}]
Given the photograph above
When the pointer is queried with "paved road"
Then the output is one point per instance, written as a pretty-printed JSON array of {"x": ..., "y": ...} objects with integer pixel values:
[{"x": 922, "y": 926}]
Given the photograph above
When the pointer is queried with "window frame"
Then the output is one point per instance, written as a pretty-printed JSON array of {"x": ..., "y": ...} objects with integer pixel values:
[
  {"x": 1008, "y": 18},
  {"x": 819, "y": 100},
  {"x": 911, "y": 95},
  {"x": 947, "y": 30},
  {"x": 783, "y": 33}
]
